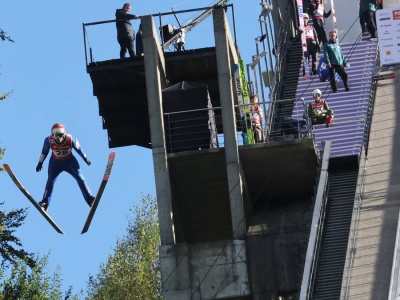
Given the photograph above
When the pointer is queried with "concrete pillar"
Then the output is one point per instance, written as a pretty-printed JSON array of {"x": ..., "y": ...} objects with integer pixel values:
[
  {"x": 155, "y": 80},
  {"x": 226, "y": 55},
  {"x": 205, "y": 271}
]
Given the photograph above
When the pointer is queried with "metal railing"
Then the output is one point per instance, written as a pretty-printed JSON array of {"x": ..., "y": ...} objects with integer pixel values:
[
  {"x": 103, "y": 40},
  {"x": 281, "y": 50},
  {"x": 203, "y": 129},
  {"x": 316, "y": 231},
  {"x": 394, "y": 289}
]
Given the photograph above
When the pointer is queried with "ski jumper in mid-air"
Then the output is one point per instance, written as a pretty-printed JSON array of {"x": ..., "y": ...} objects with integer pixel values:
[{"x": 62, "y": 159}]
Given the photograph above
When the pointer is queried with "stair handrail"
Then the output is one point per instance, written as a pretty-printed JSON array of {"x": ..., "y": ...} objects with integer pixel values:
[
  {"x": 316, "y": 226},
  {"x": 281, "y": 49}
]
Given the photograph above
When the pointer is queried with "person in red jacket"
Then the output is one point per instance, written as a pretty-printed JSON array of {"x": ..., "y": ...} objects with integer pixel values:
[
  {"x": 319, "y": 111},
  {"x": 61, "y": 144}
]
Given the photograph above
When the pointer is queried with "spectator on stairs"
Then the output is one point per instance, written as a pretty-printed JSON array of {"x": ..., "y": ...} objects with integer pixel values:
[
  {"x": 335, "y": 62},
  {"x": 312, "y": 44},
  {"x": 317, "y": 11},
  {"x": 369, "y": 7},
  {"x": 362, "y": 18}
]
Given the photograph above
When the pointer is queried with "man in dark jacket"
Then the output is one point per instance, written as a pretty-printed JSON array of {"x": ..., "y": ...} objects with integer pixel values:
[
  {"x": 125, "y": 31},
  {"x": 335, "y": 62}
]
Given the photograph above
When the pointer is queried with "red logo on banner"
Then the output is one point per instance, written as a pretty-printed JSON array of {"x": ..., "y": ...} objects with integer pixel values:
[{"x": 396, "y": 14}]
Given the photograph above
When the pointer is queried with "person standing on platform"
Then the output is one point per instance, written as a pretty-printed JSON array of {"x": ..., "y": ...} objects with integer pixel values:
[{"x": 125, "y": 30}]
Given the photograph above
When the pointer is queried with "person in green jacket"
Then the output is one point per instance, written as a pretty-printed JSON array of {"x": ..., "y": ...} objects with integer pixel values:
[
  {"x": 368, "y": 8},
  {"x": 335, "y": 62}
]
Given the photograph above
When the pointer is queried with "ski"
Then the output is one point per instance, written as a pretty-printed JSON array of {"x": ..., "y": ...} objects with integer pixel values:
[
  {"x": 100, "y": 192},
  {"x": 30, "y": 198}
]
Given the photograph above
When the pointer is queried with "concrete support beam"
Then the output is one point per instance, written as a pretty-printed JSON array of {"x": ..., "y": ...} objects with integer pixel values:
[
  {"x": 155, "y": 81},
  {"x": 175, "y": 271},
  {"x": 226, "y": 56},
  {"x": 216, "y": 270}
]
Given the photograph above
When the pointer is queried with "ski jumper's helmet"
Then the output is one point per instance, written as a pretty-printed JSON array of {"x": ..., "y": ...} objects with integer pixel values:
[
  {"x": 317, "y": 92},
  {"x": 58, "y": 132}
]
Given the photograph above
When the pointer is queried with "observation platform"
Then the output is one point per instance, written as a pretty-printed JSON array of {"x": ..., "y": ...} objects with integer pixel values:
[{"x": 120, "y": 87}]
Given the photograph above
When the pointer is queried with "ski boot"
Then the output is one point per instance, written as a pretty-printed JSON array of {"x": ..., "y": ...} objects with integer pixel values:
[
  {"x": 90, "y": 200},
  {"x": 43, "y": 205}
]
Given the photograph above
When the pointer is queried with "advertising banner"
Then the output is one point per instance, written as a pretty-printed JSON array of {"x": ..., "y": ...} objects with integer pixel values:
[
  {"x": 388, "y": 26},
  {"x": 391, "y": 4}
]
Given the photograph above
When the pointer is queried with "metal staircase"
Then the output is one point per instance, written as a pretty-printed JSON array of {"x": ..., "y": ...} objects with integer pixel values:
[
  {"x": 283, "y": 109},
  {"x": 293, "y": 69},
  {"x": 352, "y": 109},
  {"x": 341, "y": 194}
]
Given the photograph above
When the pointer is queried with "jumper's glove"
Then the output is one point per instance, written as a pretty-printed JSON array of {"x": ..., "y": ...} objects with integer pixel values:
[
  {"x": 317, "y": 113},
  {"x": 39, "y": 166},
  {"x": 87, "y": 161}
]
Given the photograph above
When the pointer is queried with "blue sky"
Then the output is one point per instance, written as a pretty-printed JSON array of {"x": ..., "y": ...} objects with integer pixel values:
[{"x": 46, "y": 69}]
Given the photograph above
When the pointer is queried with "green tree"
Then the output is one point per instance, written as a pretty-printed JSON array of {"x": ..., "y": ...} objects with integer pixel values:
[
  {"x": 34, "y": 284},
  {"x": 133, "y": 270},
  {"x": 5, "y": 96},
  {"x": 5, "y": 37},
  {"x": 10, "y": 245}
]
